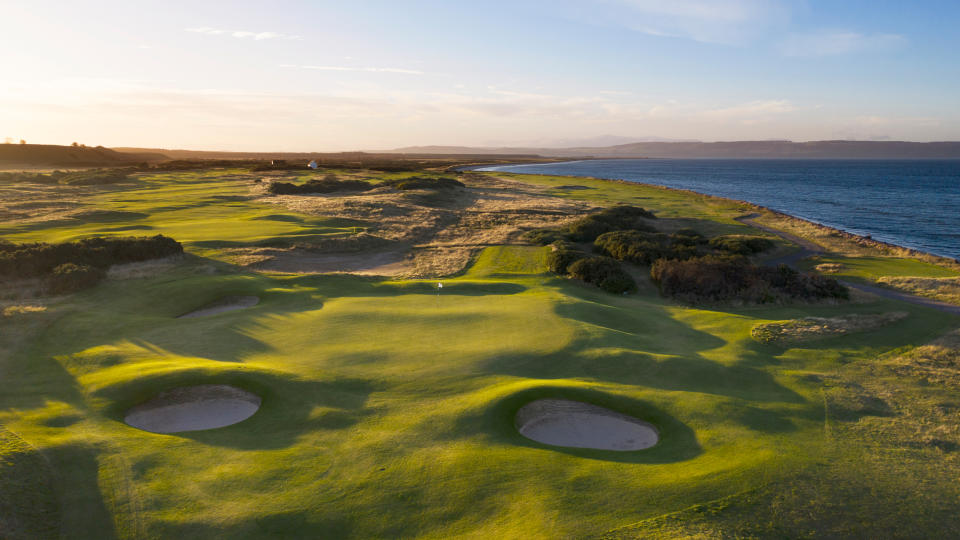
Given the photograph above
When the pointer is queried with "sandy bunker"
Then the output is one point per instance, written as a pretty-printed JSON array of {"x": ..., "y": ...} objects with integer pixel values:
[
  {"x": 561, "y": 422},
  {"x": 193, "y": 408},
  {"x": 223, "y": 305}
]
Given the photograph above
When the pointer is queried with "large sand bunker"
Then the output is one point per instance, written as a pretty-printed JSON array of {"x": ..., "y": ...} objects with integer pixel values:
[
  {"x": 561, "y": 422},
  {"x": 223, "y": 305},
  {"x": 194, "y": 408}
]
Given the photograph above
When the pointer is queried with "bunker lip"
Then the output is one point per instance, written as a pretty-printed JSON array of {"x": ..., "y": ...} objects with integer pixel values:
[
  {"x": 193, "y": 408},
  {"x": 223, "y": 305},
  {"x": 575, "y": 424}
]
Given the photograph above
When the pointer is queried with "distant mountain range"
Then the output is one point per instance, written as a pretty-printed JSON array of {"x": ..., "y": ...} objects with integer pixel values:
[{"x": 733, "y": 149}]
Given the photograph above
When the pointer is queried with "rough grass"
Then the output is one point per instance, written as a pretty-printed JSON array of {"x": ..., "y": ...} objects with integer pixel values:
[
  {"x": 944, "y": 289},
  {"x": 814, "y": 328},
  {"x": 937, "y": 362}
]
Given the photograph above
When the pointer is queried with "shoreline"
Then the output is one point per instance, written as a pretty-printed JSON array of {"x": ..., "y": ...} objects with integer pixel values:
[{"x": 862, "y": 240}]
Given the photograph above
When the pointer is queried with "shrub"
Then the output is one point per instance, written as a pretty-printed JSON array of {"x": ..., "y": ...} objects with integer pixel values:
[
  {"x": 726, "y": 278},
  {"x": 646, "y": 247},
  {"x": 562, "y": 256},
  {"x": 604, "y": 272},
  {"x": 326, "y": 185},
  {"x": 94, "y": 177},
  {"x": 69, "y": 277},
  {"x": 39, "y": 259},
  {"x": 544, "y": 237},
  {"x": 421, "y": 182},
  {"x": 740, "y": 244},
  {"x": 588, "y": 228},
  {"x": 617, "y": 218}
]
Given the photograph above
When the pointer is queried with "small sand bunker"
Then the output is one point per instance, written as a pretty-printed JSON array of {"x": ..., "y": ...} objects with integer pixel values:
[
  {"x": 223, "y": 305},
  {"x": 194, "y": 408},
  {"x": 561, "y": 422}
]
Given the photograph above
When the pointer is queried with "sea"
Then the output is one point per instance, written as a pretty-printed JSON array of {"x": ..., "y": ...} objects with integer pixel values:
[{"x": 911, "y": 203}]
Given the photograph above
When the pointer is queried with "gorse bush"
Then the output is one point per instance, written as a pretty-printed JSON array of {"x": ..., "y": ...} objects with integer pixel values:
[
  {"x": 617, "y": 218},
  {"x": 588, "y": 228},
  {"x": 69, "y": 277},
  {"x": 329, "y": 184},
  {"x": 94, "y": 177},
  {"x": 40, "y": 259},
  {"x": 603, "y": 272},
  {"x": 422, "y": 182},
  {"x": 740, "y": 244},
  {"x": 562, "y": 256},
  {"x": 643, "y": 247},
  {"x": 726, "y": 278}
]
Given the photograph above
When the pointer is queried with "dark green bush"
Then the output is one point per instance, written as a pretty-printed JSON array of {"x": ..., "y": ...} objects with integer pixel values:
[
  {"x": 325, "y": 185},
  {"x": 562, "y": 256},
  {"x": 604, "y": 272},
  {"x": 69, "y": 277},
  {"x": 94, "y": 177},
  {"x": 588, "y": 228},
  {"x": 642, "y": 247},
  {"x": 729, "y": 278},
  {"x": 741, "y": 244},
  {"x": 617, "y": 218},
  {"x": 422, "y": 182},
  {"x": 40, "y": 259},
  {"x": 545, "y": 237}
]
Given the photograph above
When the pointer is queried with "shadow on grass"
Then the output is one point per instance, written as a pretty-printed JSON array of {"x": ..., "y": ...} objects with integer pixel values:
[
  {"x": 290, "y": 407},
  {"x": 75, "y": 475},
  {"x": 678, "y": 442}
]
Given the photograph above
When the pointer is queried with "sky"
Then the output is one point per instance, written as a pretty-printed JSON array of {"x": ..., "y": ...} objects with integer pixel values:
[{"x": 370, "y": 74}]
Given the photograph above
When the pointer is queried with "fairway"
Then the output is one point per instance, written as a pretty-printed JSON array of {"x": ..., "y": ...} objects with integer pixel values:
[{"x": 388, "y": 406}]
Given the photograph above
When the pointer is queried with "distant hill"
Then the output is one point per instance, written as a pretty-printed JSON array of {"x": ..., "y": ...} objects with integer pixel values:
[
  {"x": 40, "y": 155},
  {"x": 734, "y": 149},
  {"x": 306, "y": 156}
]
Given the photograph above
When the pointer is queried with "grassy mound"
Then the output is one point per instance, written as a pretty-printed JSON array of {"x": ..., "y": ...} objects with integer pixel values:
[{"x": 814, "y": 328}]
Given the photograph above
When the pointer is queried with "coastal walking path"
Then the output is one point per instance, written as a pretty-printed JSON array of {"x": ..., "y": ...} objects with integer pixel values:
[{"x": 809, "y": 249}]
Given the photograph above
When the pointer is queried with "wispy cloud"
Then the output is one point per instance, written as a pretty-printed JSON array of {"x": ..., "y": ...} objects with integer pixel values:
[
  {"x": 839, "y": 42},
  {"x": 709, "y": 21},
  {"x": 364, "y": 69},
  {"x": 242, "y": 34}
]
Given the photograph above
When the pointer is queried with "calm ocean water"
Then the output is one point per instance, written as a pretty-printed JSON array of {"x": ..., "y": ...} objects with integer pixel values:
[{"x": 912, "y": 203}]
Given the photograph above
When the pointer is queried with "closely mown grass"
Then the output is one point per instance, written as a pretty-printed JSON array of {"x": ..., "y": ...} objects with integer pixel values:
[{"x": 388, "y": 404}]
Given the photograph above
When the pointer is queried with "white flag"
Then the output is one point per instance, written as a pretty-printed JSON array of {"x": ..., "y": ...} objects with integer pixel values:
[{"x": 439, "y": 285}]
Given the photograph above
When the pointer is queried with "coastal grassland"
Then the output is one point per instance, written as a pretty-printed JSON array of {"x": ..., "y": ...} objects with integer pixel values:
[{"x": 388, "y": 404}]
